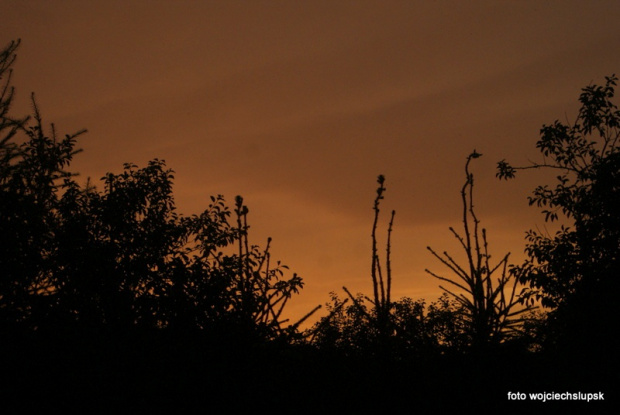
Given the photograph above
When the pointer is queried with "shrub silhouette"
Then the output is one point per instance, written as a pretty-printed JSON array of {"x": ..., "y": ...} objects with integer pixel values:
[
  {"x": 123, "y": 257},
  {"x": 488, "y": 313},
  {"x": 110, "y": 296},
  {"x": 575, "y": 272},
  {"x": 32, "y": 173},
  {"x": 491, "y": 310},
  {"x": 380, "y": 326}
]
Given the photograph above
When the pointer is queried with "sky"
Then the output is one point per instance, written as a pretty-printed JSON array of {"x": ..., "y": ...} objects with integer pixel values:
[{"x": 298, "y": 106}]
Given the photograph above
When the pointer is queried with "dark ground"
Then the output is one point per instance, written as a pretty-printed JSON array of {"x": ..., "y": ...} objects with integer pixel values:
[{"x": 163, "y": 372}]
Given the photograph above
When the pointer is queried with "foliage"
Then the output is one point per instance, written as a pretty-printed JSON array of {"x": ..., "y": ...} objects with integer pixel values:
[
  {"x": 8, "y": 125},
  {"x": 32, "y": 174},
  {"x": 418, "y": 330},
  {"x": 575, "y": 271},
  {"x": 381, "y": 290},
  {"x": 489, "y": 305},
  {"x": 382, "y": 326},
  {"x": 373, "y": 326},
  {"x": 123, "y": 257}
]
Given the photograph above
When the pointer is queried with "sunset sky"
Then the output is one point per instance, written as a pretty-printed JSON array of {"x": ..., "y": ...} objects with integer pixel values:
[{"x": 299, "y": 105}]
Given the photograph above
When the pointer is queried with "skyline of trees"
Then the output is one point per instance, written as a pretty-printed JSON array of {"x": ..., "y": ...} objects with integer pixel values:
[{"x": 121, "y": 259}]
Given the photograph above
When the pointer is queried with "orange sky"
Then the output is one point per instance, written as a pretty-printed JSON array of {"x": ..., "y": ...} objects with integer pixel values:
[{"x": 299, "y": 105}]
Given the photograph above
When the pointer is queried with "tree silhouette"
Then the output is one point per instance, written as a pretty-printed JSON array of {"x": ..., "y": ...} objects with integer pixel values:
[
  {"x": 490, "y": 306},
  {"x": 575, "y": 272},
  {"x": 8, "y": 125},
  {"x": 110, "y": 297},
  {"x": 122, "y": 257},
  {"x": 380, "y": 326},
  {"x": 32, "y": 175}
]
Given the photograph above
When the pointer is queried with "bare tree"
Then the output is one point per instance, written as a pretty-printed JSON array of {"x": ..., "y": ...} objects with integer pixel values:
[{"x": 492, "y": 310}]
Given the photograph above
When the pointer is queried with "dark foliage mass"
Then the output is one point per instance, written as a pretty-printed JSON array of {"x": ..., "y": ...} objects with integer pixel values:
[
  {"x": 112, "y": 301},
  {"x": 576, "y": 271},
  {"x": 122, "y": 257}
]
